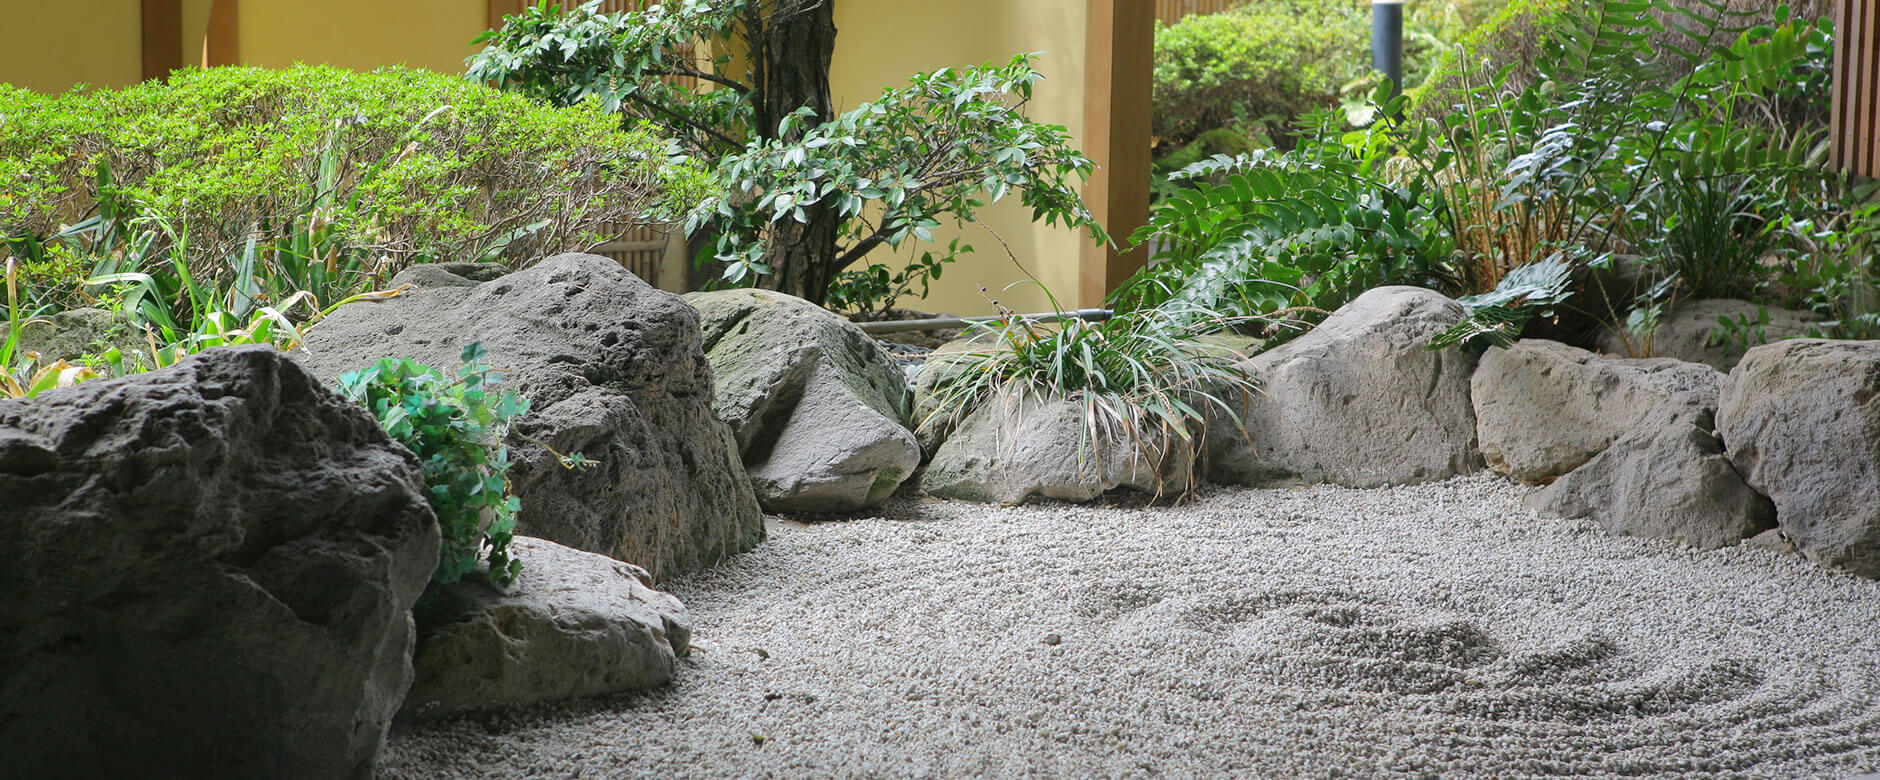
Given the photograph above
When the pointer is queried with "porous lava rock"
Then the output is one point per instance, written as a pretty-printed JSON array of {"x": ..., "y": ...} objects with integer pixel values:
[
  {"x": 209, "y": 573},
  {"x": 613, "y": 369}
]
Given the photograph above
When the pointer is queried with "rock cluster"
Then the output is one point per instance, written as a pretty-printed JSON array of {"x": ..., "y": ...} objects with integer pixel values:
[{"x": 1657, "y": 447}]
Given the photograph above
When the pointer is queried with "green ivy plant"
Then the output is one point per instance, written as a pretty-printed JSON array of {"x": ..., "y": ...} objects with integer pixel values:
[{"x": 455, "y": 427}]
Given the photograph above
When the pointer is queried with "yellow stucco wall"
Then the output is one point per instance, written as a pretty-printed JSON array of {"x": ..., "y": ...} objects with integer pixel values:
[
  {"x": 361, "y": 34},
  {"x": 879, "y": 44},
  {"x": 51, "y": 46}
]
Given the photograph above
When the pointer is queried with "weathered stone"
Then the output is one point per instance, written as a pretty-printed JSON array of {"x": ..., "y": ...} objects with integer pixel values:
[
  {"x": 75, "y": 333},
  {"x": 1801, "y": 420},
  {"x": 932, "y": 424},
  {"x": 1543, "y": 408},
  {"x": 209, "y": 573},
  {"x": 1359, "y": 401},
  {"x": 573, "y": 624},
  {"x": 816, "y": 405},
  {"x": 1772, "y": 540},
  {"x": 1011, "y": 450},
  {"x": 1691, "y": 331},
  {"x": 1668, "y": 478},
  {"x": 613, "y": 369}
]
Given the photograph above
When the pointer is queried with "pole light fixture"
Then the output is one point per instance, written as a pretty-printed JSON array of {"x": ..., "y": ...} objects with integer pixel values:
[{"x": 1387, "y": 41}]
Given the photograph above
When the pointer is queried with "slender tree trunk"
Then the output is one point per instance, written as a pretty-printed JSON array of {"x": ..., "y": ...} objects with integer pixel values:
[{"x": 792, "y": 51}]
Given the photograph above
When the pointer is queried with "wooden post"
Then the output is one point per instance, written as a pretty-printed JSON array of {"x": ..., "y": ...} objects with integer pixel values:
[
  {"x": 1119, "y": 49},
  {"x": 501, "y": 8},
  {"x": 222, "y": 45},
  {"x": 162, "y": 37}
]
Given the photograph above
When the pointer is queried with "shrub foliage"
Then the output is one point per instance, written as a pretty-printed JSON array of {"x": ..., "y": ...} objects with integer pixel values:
[
  {"x": 455, "y": 426},
  {"x": 1256, "y": 66},
  {"x": 385, "y": 168}
]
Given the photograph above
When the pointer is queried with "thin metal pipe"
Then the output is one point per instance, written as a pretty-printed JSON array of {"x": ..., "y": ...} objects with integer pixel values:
[{"x": 942, "y": 323}]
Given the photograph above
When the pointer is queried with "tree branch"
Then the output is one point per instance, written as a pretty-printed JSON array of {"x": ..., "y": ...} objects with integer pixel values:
[{"x": 707, "y": 130}]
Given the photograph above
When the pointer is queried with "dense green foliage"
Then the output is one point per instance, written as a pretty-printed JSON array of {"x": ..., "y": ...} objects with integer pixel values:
[
  {"x": 1278, "y": 234},
  {"x": 233, "y": 205},
  {"x": 949, "y": 143},
  {"x": 455, "y": 427},
  {"x": 1702, "y": 168},
  {"x": 313, "y": 178},
  {"x": 936, "y": 150},
  {"x": 1256, "y": 67},
  {"x": 1611, "y": 153}
]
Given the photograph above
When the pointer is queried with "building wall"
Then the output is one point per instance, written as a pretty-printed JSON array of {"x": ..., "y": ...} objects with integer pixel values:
[
  {"x": 361, "y": 34},
  {"x": 880, "y": 44},
  {"x": 53, "y": 46}
]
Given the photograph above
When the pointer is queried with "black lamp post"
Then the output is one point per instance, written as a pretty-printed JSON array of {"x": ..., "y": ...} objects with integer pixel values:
[{"x": 1387, "y": 41}]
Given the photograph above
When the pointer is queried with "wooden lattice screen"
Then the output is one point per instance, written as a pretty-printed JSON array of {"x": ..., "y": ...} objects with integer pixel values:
[{"x": 1856, "y": 112}]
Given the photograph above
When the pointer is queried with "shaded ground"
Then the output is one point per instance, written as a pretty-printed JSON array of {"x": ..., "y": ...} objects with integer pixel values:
[{"x": 1328, "y": 632}]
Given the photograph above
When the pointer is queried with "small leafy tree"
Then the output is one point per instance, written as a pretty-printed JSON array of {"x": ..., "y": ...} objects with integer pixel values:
[{"x": 805, "y": 194}]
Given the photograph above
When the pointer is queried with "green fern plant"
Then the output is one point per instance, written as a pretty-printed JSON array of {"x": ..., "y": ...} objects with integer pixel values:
[{"x": 1267, "y": 233}]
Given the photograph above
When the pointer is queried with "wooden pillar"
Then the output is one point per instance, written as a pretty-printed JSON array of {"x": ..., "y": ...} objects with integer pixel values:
[
  {"x": 1119, "y": 49},
  {"x": 1855, "y": 116},
  {"x": 162, "y": 37},
  {"x": 222, "y": 46},
  {"x": 501, "y": 8}
]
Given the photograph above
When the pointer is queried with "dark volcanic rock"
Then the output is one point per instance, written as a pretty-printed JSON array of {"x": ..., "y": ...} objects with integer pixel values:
[
  {"x": 613, "y": 369},
  {"x": 209, "y": 572}
]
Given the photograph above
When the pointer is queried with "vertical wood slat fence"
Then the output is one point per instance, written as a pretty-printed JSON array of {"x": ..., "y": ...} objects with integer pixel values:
[
  {"x": 1856, "y": 111},
  {"x": 1172, "y": 11}
]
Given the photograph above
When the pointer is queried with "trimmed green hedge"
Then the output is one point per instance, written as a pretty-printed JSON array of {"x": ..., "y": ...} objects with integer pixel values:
[
  {"x": 1257, "y": 66},
  {"x": 408, "y": 163}
]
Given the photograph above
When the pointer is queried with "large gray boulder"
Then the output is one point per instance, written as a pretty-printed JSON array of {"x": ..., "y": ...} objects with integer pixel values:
[
  {"x": 1667, "y": 478},
  {"x": 613, "y": 369},
  {"x": 209, "y": 573},
  {"x": 1013, "y": 449},
  {"x": 1691, "y": 331},
  {"x": 1801, "y": 420},
  {"x": 1359, "y": 401},
  {"x": 816, "y": 405},
  {"x": 1543, "y": 408},
  {"x": 573, "y": 624}
]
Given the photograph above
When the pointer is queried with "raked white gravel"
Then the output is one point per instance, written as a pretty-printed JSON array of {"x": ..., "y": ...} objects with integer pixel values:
[{"x": 1436, "y": 630}]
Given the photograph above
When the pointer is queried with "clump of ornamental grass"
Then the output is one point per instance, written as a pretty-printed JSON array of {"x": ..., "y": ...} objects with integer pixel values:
[{"x": 1145, "y": 378}]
